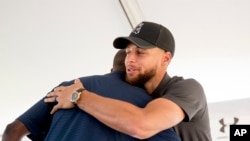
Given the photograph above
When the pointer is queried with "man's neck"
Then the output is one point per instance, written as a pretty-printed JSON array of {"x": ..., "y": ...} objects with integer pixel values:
[{"x": 154, "y": 82}]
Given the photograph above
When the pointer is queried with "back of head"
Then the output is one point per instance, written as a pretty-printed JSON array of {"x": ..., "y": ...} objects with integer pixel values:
[{"x": 119, "y": 60}]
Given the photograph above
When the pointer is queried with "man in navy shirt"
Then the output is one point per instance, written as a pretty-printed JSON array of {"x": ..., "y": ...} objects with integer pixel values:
[{"x": 75, "y": 124}]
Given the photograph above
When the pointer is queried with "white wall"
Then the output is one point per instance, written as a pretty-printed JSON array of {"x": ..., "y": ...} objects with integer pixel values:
[
  {"x": 212, "y": 42},
  {"x": 45, "y": 42}
]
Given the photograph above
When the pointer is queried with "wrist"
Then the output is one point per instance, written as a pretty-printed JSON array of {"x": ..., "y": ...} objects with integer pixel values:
[{"x": 76, "y": 95}]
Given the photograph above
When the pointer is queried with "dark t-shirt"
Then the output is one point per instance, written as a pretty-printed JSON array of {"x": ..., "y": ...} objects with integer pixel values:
[
  {"x": 189, "y": 95},
  {"x": 75, "y": 124}
]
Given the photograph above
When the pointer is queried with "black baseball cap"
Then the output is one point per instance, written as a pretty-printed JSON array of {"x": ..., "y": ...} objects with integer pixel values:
[{"x": 148, "y": 35}]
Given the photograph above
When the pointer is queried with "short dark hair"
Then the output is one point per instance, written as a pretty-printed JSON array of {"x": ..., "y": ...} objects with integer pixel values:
[{"x": 119, "y": 60}]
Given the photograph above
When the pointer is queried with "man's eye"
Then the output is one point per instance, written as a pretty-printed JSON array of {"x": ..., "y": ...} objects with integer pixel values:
[{"x": 140, "y": 52}]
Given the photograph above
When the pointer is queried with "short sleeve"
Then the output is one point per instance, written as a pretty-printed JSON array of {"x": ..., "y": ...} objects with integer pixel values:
[{"x": 189, "y": 95}]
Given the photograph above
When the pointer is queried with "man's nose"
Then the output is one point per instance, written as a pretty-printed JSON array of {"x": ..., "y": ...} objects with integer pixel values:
[{"x": 130, "y": 57}]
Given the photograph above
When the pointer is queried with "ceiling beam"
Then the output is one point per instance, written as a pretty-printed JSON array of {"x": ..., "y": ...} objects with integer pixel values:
[{"x": 132, "y": 11}]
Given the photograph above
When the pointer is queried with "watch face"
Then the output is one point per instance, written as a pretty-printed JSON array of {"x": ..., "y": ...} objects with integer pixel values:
[{"x": 74, "y": 96}]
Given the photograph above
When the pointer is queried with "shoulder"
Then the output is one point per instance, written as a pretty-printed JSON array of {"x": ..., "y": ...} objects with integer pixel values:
[
  {"x": 188, "y": 94},
  {"x": 185, "y": 85},
  {"x": 189, "y": 85},
  {"x": 118, "y": 75},
  {"x": 83, "y": 79}
]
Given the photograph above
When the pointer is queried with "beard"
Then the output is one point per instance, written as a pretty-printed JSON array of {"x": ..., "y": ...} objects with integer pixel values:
[{"x": 141, "y": 79}]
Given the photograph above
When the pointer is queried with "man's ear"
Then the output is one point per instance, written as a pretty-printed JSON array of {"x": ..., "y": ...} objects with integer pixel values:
[{"x": 167, "y": 57}]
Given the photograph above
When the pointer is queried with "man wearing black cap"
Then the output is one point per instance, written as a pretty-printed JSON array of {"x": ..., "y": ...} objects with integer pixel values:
[{"x": 179, "y": 103}]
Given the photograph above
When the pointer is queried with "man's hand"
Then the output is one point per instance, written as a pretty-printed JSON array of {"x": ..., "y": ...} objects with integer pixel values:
[{"x": 62, "y": 96}]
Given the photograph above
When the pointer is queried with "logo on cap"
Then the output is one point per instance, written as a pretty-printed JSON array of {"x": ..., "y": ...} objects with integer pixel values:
[{"x": 137, "y": 29}]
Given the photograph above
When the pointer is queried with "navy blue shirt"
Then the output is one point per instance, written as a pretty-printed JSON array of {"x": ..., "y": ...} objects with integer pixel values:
[{"x": 75, "y": 124}]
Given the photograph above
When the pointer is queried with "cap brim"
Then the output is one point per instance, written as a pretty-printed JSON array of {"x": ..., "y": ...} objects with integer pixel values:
[{"x": 122, "y": 42}]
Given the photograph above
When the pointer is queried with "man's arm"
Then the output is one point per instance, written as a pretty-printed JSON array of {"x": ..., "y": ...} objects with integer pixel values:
[
  {"x": 35, "y": 121},
  {"x": 15, "y": 131},
  {"x": 158, "y": 115}
]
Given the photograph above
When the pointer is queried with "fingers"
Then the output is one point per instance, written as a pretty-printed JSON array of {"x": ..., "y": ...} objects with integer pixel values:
[
  {"x": 51, "y": 94},
  {"x": 62, "y": 95},
  {"x": 55, "y": 108},
  {"x": 60, "y": 88},
  {"x": 50, "y": 99},
  {"x": 55, "y": 99},
  {"x": 55, "y": 91},
  {"x": 78, "y": 83}
]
